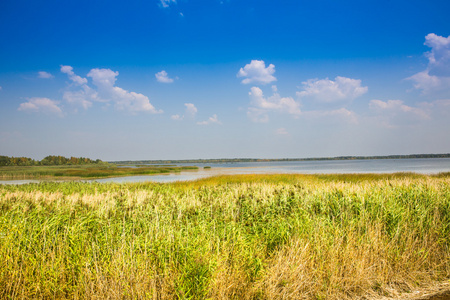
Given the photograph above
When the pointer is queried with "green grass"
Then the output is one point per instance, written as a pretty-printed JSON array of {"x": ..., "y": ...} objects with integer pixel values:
[
  {"x": 227, "y": 237},
  {"x": 84, "y": 171}
]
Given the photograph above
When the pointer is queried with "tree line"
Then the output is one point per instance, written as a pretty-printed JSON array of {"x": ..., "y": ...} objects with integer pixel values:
[
  {"x": 51, "y": 160},
  {"x": 235, "y": 160}
]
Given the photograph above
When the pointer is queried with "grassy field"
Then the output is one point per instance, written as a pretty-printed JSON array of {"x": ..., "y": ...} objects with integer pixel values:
[
  {"x": 229, "y": 237},
  {"x": 84, "y": 171}
]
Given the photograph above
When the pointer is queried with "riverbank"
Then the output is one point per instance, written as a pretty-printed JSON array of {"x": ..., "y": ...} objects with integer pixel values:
[{"x": 74, "y": 172}]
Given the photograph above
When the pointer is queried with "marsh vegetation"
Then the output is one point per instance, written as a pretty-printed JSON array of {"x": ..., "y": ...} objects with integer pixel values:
[
  {"x": 228, "y": 237},
  {"x": 84, "y": 171}
]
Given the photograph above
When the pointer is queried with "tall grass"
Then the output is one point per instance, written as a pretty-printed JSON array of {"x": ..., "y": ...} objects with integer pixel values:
[{"x": 246, "y": 237}]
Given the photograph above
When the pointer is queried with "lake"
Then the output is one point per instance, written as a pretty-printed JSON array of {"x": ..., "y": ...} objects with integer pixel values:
[{"x": 417, "y": 165}]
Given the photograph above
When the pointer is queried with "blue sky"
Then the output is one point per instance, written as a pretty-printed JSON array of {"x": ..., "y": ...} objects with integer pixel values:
[{"x": 186, "y": 79}]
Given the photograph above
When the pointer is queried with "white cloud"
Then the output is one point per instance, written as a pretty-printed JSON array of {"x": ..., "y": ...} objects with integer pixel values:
[
  {"x": 261, "y": 106},
  {"x": 257, "y": 115},
  {"x": 105, "y": 79},
  {"x": 75, "y": 78},
  {"x": 132, "y": 101},
  {"x": 428, "y": 83},
  {"x": 436, "y": 77},
  {"x": 191, "y": 110},
  {"x": 328, "y": 91},
  {"x": 256, "y": 71},
  {"x": 343, "y": 112},
  {"x": 41, "y": 105},
  {"x": 79, "y": 98},
  {"x": 439, "y": 56},
  {"x": 0, "y": 88},
  {"x": 274, "y": 102},
  {"x": 104, "y": 91},
  {"x": 397, "y": 106},
  {"x": 166, "y": 3},
  {"x": 163, "y": 77},
  {"x": 83, "y": 95},
  {"x": 45, "y": 75},
  {"x": 393, "y": 113},
  {"x": 281, "y": 131},
  {"x": 211, "y": 120}
]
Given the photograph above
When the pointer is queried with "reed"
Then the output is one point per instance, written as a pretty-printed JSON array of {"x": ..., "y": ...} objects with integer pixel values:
[{"x": 247, "y": 237}]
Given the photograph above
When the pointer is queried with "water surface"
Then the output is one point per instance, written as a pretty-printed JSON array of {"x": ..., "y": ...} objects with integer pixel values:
[{"x": 417, "y": 165}]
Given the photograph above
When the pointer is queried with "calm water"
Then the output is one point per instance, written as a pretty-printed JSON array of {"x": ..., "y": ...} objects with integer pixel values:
[{"x": 423, "y": 166}]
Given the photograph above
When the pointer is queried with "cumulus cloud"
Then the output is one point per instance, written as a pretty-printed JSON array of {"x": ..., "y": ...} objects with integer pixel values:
[
  {"x": 105, "y": 90},
  {"x": 190, "y": 112},
  {"x": 257, "y": 72},
  {"x": 163, "y": 77},
  {"x": 436, "y": 77},
  {"x": 105, "y": 79},
  {"x": 166, "y": 3},
  {"x": 261, "y": 106},
  {"x": 439, "y": 56},
  {"x": 274, "y": 102},
  {"x": 44, "y": 75},
  {"x": 328, "y": 91},
  {"x": 397, "y": 106},
  {"x": 392, "y": 113},
  {"x": 72, "y": 76},
  {"x": 41, "y": 105},
  {"x": 211, "y": 120},
  {"x": 395, "y": 113},
  {"x": 131, "y": 101},
  {"x": 428, "y": 83},
  {"x": 80, "y": 95},
  {"x": 80, "y": 98}
]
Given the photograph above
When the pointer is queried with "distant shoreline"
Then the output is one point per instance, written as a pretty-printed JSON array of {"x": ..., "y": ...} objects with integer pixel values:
[{"x": 236, "y": 160}]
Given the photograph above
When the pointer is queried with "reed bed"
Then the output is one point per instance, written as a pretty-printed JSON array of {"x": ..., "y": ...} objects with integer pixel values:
[{"x": 228, "y": 237}]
